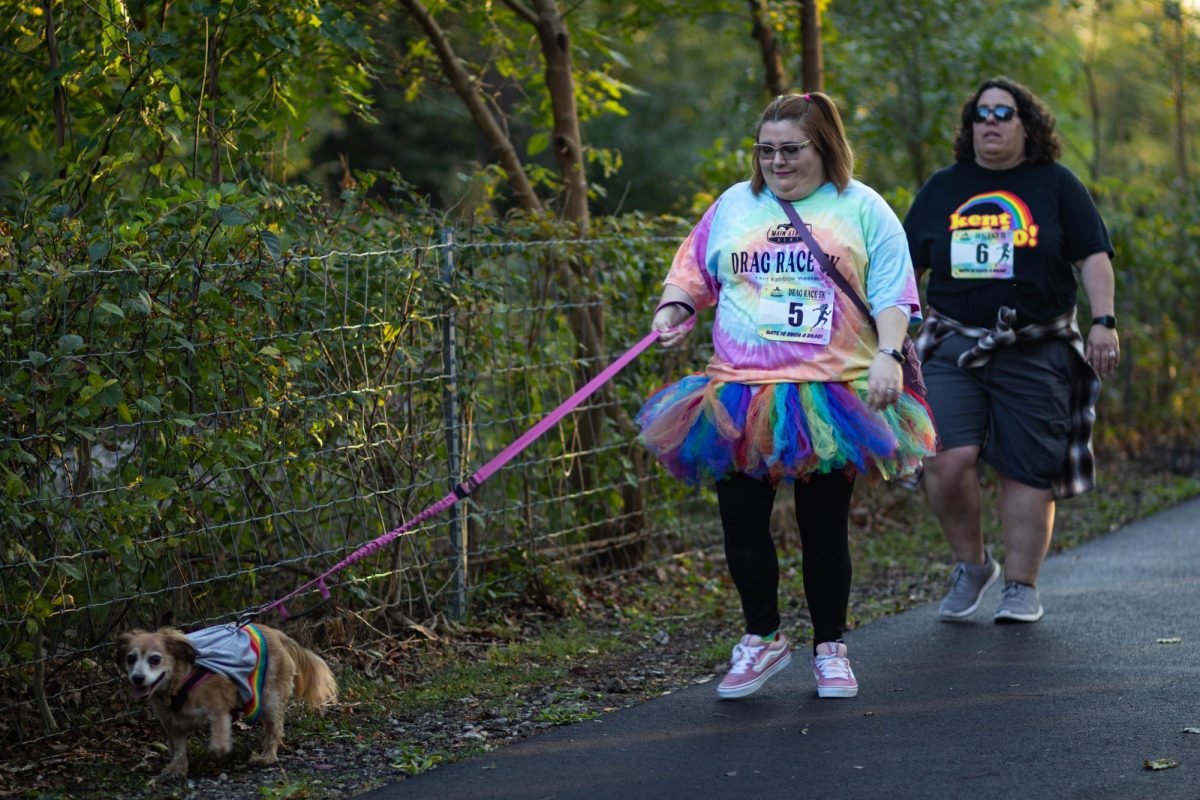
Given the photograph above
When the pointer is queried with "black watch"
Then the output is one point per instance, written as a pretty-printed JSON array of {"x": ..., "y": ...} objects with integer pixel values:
[{"x": 1108, "y": 321}]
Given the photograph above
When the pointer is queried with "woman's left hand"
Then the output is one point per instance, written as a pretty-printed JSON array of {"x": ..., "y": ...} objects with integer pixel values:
[
  {"x": 1103, "y": 350},
  {"x": 885, "y": 381}
]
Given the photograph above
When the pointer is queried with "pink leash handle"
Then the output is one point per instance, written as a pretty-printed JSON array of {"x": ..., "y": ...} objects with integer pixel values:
[{"x": 472, "y": 483}]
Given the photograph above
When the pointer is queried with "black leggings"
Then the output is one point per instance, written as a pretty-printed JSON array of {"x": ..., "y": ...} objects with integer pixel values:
[{"x": 822, "y": 514}]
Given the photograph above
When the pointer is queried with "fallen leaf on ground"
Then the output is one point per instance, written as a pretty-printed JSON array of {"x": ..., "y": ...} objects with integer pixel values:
[
  {"x": 1169, "y": 640},
  {"x": 1191, "y": 730},
  {"x": 1160, "y": 763}
]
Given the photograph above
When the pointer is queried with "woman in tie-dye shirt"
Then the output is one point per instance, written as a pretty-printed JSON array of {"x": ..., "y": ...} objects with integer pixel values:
[{"x": 801, "y": 387}]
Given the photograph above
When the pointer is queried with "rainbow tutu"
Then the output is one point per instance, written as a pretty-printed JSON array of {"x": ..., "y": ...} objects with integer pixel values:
[{"x": 702, "y": 430}]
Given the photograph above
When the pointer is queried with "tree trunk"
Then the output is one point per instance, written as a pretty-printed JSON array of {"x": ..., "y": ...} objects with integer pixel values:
[
  {"x": 214, "y": 137},
  {"x": 1174, "y": 12},
  {"x": 465, "y": 87},
  {"x": 1094, "y": 97},
  {"x": 810, "y": 38},
  {"x": 587, "y": 315},
  {"x": 1094, "y": 112},
  {"x": 60, "y": 94},
  {"x": 774, "y": 73},
  {"x": 915, "y": 111},
  {"x": 560, "y": 83},
  {"x": 586, "y": 319}
]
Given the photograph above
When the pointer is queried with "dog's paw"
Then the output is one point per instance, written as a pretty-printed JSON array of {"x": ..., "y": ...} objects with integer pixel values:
[
  {"x": 262, "y": 759},
  {"x": 170, "y": 774}
]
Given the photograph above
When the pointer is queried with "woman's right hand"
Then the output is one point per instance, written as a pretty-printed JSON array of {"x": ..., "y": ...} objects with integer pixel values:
[{"x": 672, "y": 321}]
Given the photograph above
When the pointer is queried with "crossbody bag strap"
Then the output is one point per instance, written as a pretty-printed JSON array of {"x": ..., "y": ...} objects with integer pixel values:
[{"x": 823, "y": 260}]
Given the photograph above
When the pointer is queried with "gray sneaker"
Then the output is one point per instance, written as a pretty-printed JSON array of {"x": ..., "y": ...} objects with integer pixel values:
[
  {"x": 1020, "y": 603},
  {"x": 968, "y": 582}
]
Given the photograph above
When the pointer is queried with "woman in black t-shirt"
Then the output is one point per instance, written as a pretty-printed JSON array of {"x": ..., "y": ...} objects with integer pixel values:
[{"x": 1011, "y": 380}]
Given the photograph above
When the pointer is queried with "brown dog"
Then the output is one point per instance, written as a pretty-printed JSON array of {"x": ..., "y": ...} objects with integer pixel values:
[{"x": 206, "y": 678}]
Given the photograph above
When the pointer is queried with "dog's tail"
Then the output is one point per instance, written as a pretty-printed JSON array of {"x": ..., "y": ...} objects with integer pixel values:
[{"x": 314, "y": 682}]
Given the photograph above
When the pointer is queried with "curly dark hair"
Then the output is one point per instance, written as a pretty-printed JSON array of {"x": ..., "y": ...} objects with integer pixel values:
[{"x": 1042, "y": 145}]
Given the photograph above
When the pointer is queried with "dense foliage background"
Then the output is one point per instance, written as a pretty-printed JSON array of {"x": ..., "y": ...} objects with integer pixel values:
[{"x": 222, "y": 241}]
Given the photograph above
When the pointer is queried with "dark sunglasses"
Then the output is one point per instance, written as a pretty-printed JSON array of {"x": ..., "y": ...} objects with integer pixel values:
[{"x": 1001, "y": 113}]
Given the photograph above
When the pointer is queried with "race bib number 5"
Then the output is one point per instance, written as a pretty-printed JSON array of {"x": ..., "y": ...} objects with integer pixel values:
[
  {"x": 796, "y": 313},
  {"x": 981, "y": 254}
]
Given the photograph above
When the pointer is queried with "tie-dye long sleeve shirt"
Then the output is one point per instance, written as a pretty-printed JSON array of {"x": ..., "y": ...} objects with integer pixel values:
[{"x": 778, "y": 317}]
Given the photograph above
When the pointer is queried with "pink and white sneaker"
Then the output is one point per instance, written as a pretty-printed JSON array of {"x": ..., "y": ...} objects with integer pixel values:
[
  {"x": 832, "y": 668},
  {"x": 753, "y": 662}
]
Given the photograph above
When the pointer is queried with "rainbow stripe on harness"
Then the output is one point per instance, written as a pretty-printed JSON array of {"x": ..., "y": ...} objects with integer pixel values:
[{"x": 258, "y": 643}]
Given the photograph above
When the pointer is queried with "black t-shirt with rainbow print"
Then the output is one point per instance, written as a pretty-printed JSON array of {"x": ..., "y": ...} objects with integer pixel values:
[{"x": 992, "y": 238}]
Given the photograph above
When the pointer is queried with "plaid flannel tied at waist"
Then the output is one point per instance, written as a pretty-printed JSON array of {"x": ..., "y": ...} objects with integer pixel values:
[{"x": 1078, "y": 474}]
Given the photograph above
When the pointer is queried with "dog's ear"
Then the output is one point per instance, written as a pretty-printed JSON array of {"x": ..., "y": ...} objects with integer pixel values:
[{"x": 179, "y": 646}]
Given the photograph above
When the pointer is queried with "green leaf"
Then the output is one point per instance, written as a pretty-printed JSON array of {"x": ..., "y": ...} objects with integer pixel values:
[
  {"x": 72, "y": 571},
  {"x": 69, "y": 343},
  {"x": 176, "y": 97},
  {"x": 233, "y": 216},
  {"x": 149, "y": 404},
  {"x": 111, "y": 394},
  {"x": 115, "y": 310},
  {"x": 537, "y": 143},
  {"x": 273, "y": 245},
  {"x": 252, "y": 289},
  {"x": 141, "y": 303},
  {"x": 159, "y": 488},
  {"x": 98, "y": 251},
  {"x": 37, "y": 358}
]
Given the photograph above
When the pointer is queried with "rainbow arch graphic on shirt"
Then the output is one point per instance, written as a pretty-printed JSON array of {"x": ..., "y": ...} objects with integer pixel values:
[{"x": 1008, "y": 202}]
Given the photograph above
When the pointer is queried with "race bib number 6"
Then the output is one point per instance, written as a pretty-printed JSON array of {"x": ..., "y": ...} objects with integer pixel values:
[
  {"x": 796, "y": 313},
  {"x": 981, "y": 254}
]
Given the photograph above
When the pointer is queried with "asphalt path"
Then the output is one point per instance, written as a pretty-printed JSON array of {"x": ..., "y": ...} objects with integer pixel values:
[{"x": 1070, "y": 707}]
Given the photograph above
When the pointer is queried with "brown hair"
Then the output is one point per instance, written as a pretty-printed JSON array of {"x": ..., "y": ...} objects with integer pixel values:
[
  {"x": 819, "y": 116},
  {"x": 1042, "y": 145}
]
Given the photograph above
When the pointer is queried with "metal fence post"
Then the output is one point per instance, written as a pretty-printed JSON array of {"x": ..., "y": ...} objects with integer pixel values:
[{"x": 458, "y": 533}]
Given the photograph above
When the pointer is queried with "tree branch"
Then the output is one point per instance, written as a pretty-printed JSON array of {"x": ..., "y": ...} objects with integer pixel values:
[
  {"x": 523, "y": 11},
  {"x": 60, "y": 96},
  {"x": 555, "y": 41},
  {"x": 774, "y": 74},
  {"x": 464, "y": 86}
]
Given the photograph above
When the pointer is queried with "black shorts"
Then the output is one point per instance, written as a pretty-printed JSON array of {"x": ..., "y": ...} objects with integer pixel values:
[{"x": 1015, "y": 408}]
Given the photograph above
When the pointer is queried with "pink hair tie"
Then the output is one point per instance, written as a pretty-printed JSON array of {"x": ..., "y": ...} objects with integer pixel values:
[{"x": 809, "y": 99}]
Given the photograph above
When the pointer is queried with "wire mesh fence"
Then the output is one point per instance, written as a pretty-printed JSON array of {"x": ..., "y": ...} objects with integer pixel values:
[{"x": 181, "y": 442}]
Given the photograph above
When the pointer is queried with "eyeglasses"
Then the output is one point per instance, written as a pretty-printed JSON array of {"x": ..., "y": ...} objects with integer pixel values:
[
  {"x": 1001, "y": 113},
  {"x": 789, "y": 150}
]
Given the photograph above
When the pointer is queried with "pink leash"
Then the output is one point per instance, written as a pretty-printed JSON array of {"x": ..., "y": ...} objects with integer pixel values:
[{"x": 468, "y": 486}]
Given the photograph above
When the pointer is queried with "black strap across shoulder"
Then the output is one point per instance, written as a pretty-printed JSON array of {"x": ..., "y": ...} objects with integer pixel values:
[
  {"x": 179, "y": 699},
  {"x": 823, "y": 260}
]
